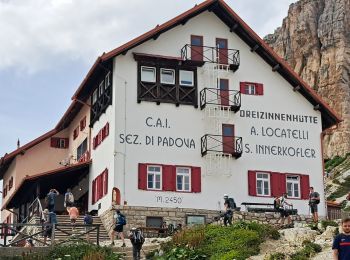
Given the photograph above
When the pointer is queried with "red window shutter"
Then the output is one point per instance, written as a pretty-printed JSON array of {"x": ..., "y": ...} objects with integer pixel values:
[
  {"x": 93, "y": 192},
  {"x": 66, "y": 142},
  {"x": 305, "y": 186},
  {"x": 252, "y": 183},
  {"x": 54, "y": 142},
  {"x": 169, "y": 177},
  {"x": 103, "y": 130},
  {"x": 196, "y": 179},
  {"x": 101, "y": 186},
  {"x": 94, "y": 143},
  {"x": 105, "y": 188},
  {"x": 259, "y": 89},
  {"x": 82, "y": 124},
  {"x": 142, "y": 178},
  {"x": 278, "y": 184},
  {"x": 242, "y": 87}
]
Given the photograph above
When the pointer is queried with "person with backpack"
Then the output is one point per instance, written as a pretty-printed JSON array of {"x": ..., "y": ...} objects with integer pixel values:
[
  {"x": 68, "y": 199},
  {"x": 88, "y": 221},
  {"x": 314, "y": 200},
  {"x": 137, "y": 239},
  {"x": 120, "y": 222},
  {"x": 281, "y": 205},
  {"x": 51, "y": 199},
  {"x": 229, "y": 206}
]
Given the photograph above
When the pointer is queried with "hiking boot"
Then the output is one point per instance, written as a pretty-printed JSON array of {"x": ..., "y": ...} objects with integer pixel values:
[{"x": 123, "y": 245}]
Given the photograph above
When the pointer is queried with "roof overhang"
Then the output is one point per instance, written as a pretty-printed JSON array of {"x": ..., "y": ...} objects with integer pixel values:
[{"x": 60, "y": 179}]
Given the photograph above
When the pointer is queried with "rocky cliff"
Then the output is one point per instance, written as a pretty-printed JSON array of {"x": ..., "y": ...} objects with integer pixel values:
[{"x": 315, "y": 40}]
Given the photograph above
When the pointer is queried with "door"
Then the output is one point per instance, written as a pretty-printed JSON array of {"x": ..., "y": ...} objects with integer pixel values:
[
  {"x": 221, "y": 44},
  {"x": 228, "y": 138},
  {"x": 115, "y": 196},
  {"x": 224, "y": 93},
  {"x": 196, "y": 47}
]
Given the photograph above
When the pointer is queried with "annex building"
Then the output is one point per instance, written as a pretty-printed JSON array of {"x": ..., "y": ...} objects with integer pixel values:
[{"x": 195, "y": 108}]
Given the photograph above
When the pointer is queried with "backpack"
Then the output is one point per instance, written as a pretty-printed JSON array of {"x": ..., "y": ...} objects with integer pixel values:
[
  {"x": 232, "y": 203},
  {"x": 137, "y": 237},
  {"x": 276, "y": 203},
  {"x": 121, "y": 220},
  {"x": 88, "y": 220}
]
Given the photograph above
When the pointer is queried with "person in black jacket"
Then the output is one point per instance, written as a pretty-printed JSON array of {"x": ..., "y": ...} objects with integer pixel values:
[{"x": 137, "y": 240}]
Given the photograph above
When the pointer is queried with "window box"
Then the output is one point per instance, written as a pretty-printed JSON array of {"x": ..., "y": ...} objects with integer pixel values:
[
  {"x": 148, "y": 74},
  {"x": 186, "y": 78}
]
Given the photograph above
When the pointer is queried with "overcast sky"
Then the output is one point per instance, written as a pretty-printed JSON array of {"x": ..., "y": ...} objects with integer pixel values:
[{"x": 47, "y": 47}]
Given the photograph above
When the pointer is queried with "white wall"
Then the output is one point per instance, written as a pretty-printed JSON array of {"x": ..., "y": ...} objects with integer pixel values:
[{"x": 188, "y": 122}]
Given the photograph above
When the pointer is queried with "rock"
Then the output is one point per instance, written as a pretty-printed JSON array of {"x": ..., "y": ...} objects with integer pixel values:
[
  {"x": 314, "y": 39},
  {"x": 298, "y": 235}
]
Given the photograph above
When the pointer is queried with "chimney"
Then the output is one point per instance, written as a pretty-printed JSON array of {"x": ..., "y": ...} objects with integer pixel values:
[{"x": 18, "y": 143}]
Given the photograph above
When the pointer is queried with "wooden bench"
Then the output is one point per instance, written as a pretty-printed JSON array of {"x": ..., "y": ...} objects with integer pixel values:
[
  {"x": 266, "y": 207},
  {"x": 154, "y": 232}
]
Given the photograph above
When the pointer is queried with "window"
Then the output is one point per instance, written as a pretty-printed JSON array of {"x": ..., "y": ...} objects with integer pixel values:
[
  {"x": 154, "y": 222},
  {"x": 183, "y": 179},
  {"x": 75, "y": 133},
  {"x": 57, "y": 142},
  {"x": 83, "y": 124},
  {"x": 192, "y": 220},
  {"x": 186, "y": 78},
  {"x": 100, "y": 88},
  {"x": 11, "y": 183},
  {"x": 251, "y": 88},
  {"x": 82, "y": 148},
  {"x": 263, "y": 184},
  {"x": 154, "y": 178},
  {"x": 293, "y": 186},
  {"x": 108, "y": 80},
  {"x": 148, "y": 74},
  {"x": 94, "y": 97},
  {"x": 167, "y": 76},
  {"x": 100, "y": 186}
]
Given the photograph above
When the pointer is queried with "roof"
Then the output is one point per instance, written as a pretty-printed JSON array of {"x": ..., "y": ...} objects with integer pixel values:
[
  {"x": 29, "y": 179},
  {"x": 233, "y": 21}
]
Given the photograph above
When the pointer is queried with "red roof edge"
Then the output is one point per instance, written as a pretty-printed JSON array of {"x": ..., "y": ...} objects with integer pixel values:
[{"x": 281, "y": 62}]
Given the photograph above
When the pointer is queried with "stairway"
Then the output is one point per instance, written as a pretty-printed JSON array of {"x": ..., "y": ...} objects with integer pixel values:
[{"x": 64, "y": 219}]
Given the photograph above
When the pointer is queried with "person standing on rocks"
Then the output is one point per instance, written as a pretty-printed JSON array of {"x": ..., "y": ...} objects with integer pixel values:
[
  {"x": 314, "y": 200},
  {"x": 120, "y": 222},
  {"x": 341, "y": 243},
  {"x": 137, "y": 239}
]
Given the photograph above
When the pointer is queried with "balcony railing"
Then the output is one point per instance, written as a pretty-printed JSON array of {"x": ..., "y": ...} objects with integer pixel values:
[
  {"x": 212, "y": 55},
  {"x": 84, "y": 157},
  {"x": 225, "y": 145},
  {"x": 230, "y": 99}
]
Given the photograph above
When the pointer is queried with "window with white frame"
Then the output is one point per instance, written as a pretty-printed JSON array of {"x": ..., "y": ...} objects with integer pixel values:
[
  {"x": 167, "y": 76},
  {"x": 94, "y": 97},
  {"x": 108, "y": 80},
  {"x": 183, "y": 179},
  {"x": 154, "y": 177},
  {"x": 62, "y": 143},
  {"x": 186, "y": 78},
  {"x": 262, "y": 184},
  {"x": 101, "y": 87},
  {"x": 148, "y": 74},
  {"x": 250, "y": 89},
  {"x": 293, "y": 186}
]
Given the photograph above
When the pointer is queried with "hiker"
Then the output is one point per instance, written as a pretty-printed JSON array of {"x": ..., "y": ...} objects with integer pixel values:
[
  {"x": 88, "y": 221},
  {"x": 120, "y": 222},
  {"x": 341, "y": 243},
  {"x": 68, "y": 199},
  {"x": 163, "y": 229},
  {"x": 50, "y": 219},
  {"x": 282, "y": 205},
  {"x": 73, "y": 215},
  {"x": 50, "y": 199},
  {"x": 229, "y": 206},
  {"x": 314, "y": 200},
  {"x": 137, "y": 240}
]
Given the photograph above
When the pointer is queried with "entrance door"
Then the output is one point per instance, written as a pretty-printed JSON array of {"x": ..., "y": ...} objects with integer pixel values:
[
  {"x": 224, "y": 93},
  {"x": 228, "y": 138},
  {"x": 197, "y": 47},
  {"x": 221, "y": 44}
]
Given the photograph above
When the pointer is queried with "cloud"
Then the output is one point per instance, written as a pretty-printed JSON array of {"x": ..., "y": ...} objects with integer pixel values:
[{"x": 39, "y": 34}]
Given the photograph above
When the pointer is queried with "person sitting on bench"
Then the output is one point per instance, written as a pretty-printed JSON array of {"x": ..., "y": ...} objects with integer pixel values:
[{"x": 281, "y": 205}]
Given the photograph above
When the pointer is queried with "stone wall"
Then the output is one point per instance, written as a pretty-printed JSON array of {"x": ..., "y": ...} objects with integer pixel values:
[{"x": 136, "y": 216}]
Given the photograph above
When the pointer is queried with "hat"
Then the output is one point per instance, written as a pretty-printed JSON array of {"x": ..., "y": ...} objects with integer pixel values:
[{"x": 225, "y": 195}]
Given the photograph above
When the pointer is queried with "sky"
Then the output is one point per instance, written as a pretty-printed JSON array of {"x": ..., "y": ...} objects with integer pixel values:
[{"x": 48, "y": 46}]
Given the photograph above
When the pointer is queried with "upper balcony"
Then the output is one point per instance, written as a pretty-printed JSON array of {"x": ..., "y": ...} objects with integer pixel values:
[
  {"x": 220, "y": 56},
  {"x": 220, "y": 98}
]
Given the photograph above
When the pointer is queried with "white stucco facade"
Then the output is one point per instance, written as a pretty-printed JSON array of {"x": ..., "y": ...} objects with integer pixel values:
[{"x": 134, "y": 125}]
